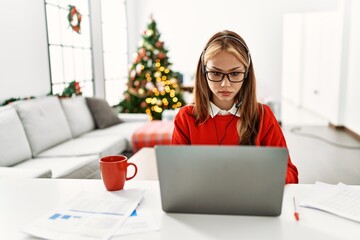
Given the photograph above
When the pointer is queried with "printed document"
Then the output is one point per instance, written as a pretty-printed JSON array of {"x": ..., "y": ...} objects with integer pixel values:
[
  {"x": 340, "y": 199},
  {"x": 141, "y": 220},
  {"x": 87, "y": 216}
]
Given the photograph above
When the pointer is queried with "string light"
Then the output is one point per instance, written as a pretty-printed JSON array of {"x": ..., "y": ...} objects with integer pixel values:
[
  {"x": 165, "y": 101},
  {"x": 153, "y": 101},
  {"x": 158, "y": 109}
]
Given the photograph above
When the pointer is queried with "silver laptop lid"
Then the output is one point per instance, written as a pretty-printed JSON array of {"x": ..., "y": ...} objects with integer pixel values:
[{"x": 236, "y": 180}]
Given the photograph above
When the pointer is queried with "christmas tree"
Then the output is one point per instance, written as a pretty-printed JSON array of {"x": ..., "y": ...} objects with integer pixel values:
[{"x": 152, "y": 86}]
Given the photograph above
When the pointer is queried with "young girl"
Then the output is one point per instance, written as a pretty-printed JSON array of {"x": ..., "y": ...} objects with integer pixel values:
[{"x": 226, "y": 111}]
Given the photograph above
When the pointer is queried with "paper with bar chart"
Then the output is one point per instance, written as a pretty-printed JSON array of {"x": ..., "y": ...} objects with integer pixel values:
[{"x": 87, "y": 216}]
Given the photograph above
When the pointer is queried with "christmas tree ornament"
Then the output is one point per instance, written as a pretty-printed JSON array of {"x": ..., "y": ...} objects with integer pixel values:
[
  {"x": 132, "y": 75},
  {"x": 159, "y": 44},
  {"x": 142, "y": 52},
  {"x": 143, "y": 104},
  {"x": 149, "y": 32},
  {"x": 149, "y": 63},
  {"x": 139, "y": 68},
  {"x": 161, "y": 55},
  {"x": 149, "y": 86}
]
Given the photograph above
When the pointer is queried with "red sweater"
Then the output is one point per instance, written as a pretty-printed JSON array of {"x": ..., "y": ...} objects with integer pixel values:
[{"x": 270, "y": 134}]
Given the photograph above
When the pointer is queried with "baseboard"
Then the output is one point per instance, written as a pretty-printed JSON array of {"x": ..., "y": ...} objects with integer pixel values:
[{"x": 345, "y": 129}]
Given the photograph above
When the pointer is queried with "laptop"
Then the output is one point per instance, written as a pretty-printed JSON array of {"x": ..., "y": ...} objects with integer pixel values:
[{"x": 229, "y": 180}]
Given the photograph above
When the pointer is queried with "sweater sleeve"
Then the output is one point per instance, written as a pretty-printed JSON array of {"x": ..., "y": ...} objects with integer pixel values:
[
  {"x": 181, "y": 133},
  {"x": 271, "y": 135}
]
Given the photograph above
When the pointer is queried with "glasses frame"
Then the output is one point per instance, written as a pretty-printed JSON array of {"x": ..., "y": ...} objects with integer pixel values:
[{"x": 223, "y": 75}]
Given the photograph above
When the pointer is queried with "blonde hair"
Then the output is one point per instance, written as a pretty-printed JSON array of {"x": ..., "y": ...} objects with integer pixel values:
[{"x": 229, "y": 41}]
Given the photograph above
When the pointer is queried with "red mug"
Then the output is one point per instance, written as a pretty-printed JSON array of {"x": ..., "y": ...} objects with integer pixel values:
[{"x": 113, "y": 171}]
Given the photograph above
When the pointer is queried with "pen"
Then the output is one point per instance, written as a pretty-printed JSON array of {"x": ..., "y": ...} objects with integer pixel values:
[{"x": 296, "y": 213}]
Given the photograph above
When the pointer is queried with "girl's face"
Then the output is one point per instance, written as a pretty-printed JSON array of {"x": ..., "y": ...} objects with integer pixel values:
[{"x": 224, "y": 92}]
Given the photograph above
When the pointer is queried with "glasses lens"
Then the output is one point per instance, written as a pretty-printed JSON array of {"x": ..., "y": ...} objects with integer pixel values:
[
  {"x": 215, "y": 76},
  {"x": 236, "y": 76}
]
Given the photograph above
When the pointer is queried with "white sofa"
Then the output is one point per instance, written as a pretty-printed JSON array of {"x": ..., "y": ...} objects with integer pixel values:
[{"x": 59, "y": 138}]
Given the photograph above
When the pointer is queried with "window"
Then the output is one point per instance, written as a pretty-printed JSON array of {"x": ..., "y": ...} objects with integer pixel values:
[
  {"x": 114, "y": 28},
  {"x": 70, "y": 52}
]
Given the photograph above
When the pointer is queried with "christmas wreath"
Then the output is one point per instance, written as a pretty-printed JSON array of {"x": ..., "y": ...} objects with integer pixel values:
[{"x": 74, "y": 18}]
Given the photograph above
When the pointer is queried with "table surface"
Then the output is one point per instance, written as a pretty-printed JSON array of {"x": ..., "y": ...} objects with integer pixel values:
[
  {"x": 24, "y": 200},
  {"x": 146, "y": 162}
]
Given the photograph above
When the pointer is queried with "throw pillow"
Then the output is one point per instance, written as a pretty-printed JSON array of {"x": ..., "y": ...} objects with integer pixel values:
[
  {"x": 102, "y": 113},
  {"x": 78, "y": 115}
]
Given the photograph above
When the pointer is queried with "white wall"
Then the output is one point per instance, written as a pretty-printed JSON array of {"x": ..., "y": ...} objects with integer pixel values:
[
  {"x": 321, "y": 54},
  {"x": 292, "y": 72},
  {"x": 24, "y": 63},
  {"x": 322, "y": 63},
  {"x": 352, "y": 96}
]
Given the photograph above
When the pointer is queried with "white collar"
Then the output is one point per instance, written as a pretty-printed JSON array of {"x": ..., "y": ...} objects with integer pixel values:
[{"x": 214, "y": 110}]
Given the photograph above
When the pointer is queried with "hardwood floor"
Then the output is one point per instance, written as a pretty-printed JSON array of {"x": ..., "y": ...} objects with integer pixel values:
[{"x": 321, "y": 153}]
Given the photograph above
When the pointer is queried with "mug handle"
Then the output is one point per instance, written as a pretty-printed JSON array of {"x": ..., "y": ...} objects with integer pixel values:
[{"x": 128, "y": 178}]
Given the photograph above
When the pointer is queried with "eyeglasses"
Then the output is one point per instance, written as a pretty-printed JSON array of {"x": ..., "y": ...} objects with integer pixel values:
[{"x": 234, "y": 77}]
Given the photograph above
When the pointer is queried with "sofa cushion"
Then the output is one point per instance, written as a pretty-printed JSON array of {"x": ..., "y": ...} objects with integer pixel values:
[
  {"x": 14, "y": 172},
  {"x": 78, "y": 115},
  {"x": 14, "y": 146},
  {"x": 69, "y": 167},
  {"x": 99, "y": 146},
  {"x": 102, "y": 113},
  {"x": 44, "y": 122},
  {"x": 125, "y": 130},
  {"x": 133, "y": 117}
]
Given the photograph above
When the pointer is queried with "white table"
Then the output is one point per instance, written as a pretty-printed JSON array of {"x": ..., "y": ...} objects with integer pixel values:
[
  {"x": 23, "y": 200},
  {"x": 146, "y": 162}
]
